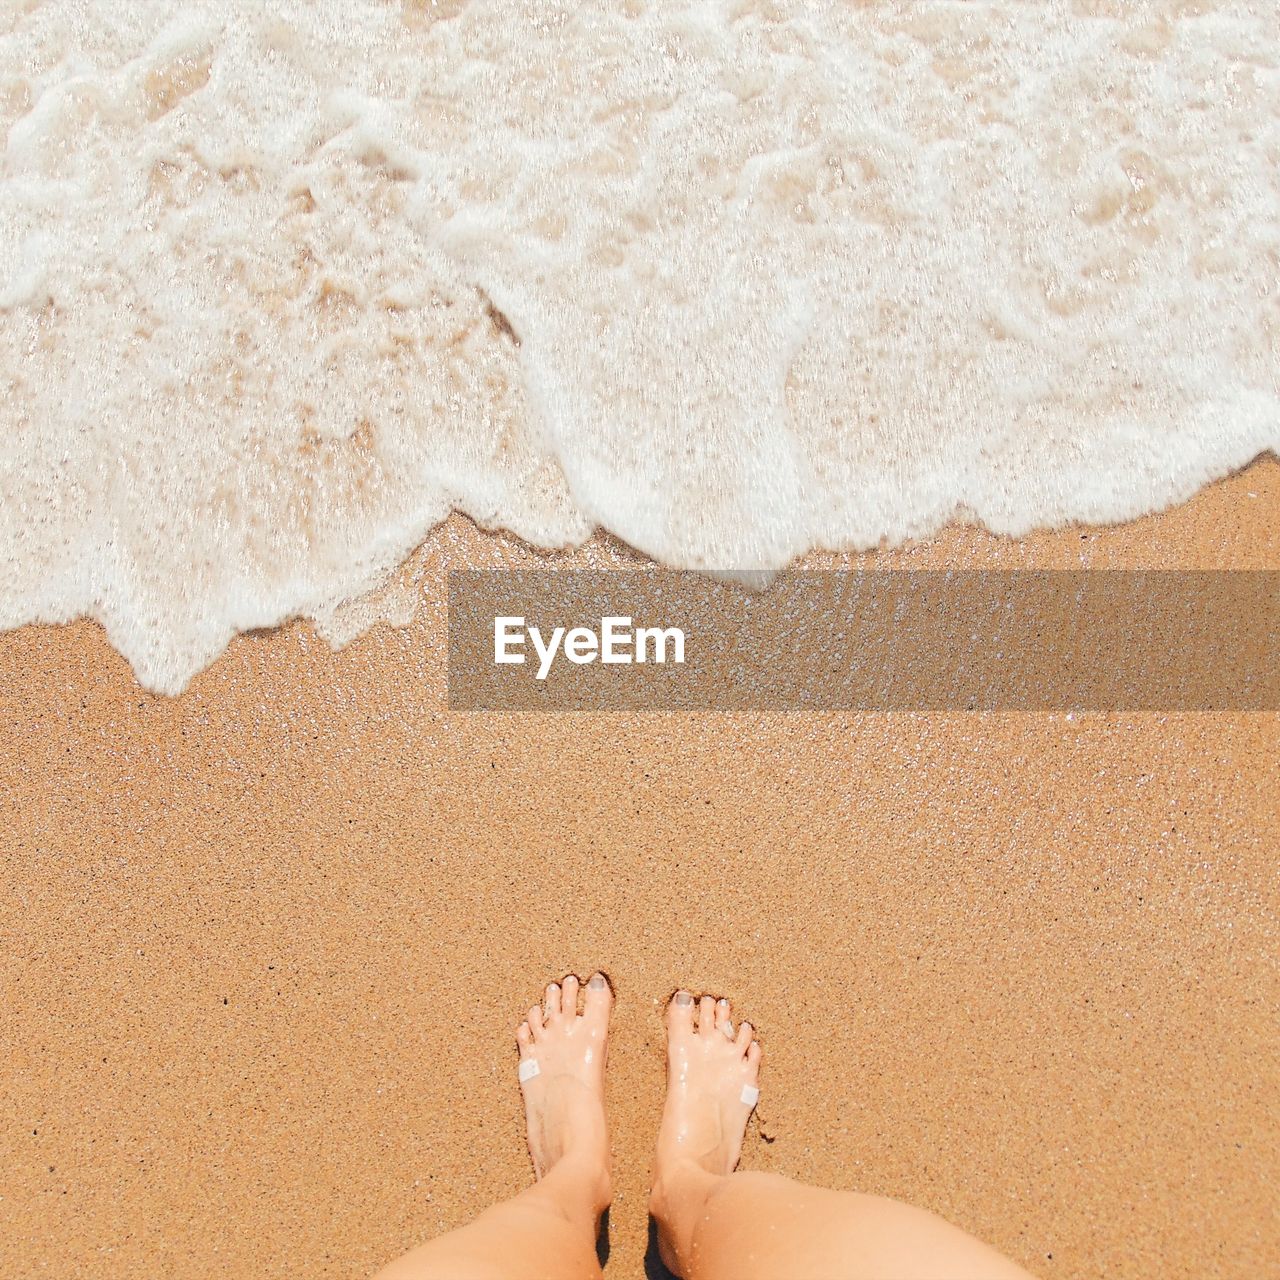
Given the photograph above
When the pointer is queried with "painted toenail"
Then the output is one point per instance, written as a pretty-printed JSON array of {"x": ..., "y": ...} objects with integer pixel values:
[
  {"x": 597, "y": 981},
  {"x": 683, "y": 997},
  {"x": 724, "y": 1004}
]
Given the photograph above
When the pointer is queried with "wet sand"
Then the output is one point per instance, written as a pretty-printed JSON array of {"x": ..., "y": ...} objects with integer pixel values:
[{"x": 264, "y": 945}]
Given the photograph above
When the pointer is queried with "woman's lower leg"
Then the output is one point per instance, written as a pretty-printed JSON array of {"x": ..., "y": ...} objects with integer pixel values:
[
  {"x": 715, "y": 1224},
  {"x": 548, "y": 1231}
]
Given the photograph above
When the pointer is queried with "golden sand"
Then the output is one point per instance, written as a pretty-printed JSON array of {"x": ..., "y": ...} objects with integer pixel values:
[{"x": 264, "y": 944}]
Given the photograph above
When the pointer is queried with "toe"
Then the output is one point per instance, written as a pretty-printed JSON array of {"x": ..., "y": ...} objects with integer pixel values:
[
  {"x": 569, "y": 996},
  {"x": 743, "y": 1038},
  {"x": 753, "y": 1057},
  {"x": 535, "y": 1021},
  {"x": 552, "y": 1001},
  {"x": 598, "y": 1000},
  {"x": 724, "y": 1024},
  {"x": 524, "y": 1038},
  {"x": 706, "y": 1016},
  {"x": 680, "y": 1014}
]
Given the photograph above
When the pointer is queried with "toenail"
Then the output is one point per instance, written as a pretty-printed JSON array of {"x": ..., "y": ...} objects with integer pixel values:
[
  {"x": 683, "y": 997},
  {"x": 597, "y": 981},
  {"x": 724, "y": 1004}
]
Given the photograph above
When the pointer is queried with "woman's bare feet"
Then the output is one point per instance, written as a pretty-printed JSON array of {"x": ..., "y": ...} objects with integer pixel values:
[
  {"x": 712, "y": 1072},
  {"x": 562, "y": 1060},
  {"x": 712, "y": 1075}
]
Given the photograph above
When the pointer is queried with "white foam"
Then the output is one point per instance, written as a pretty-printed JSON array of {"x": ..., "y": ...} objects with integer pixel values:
[{"x": 781, "y": 275}]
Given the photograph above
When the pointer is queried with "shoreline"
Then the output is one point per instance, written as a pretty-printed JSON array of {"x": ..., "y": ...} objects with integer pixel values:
[{"x": 1227, "y": 525}]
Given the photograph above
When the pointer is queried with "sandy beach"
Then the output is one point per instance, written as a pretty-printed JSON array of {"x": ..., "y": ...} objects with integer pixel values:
[{"x": 263, "y": 945}]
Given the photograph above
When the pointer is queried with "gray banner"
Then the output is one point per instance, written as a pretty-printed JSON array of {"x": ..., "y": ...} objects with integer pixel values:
[{"x": 900, "y": 640}]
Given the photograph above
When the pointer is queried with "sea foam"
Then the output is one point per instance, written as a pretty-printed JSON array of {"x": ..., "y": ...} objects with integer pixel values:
[{"x": 283, "y": 284}]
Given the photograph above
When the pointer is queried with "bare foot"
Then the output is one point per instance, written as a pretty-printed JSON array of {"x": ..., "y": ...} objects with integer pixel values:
[
  {"x": 712, "y": 1073},
  {"x": 562, "y": 1058}
]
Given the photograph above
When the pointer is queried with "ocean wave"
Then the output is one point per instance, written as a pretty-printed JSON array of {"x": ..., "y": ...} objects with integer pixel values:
[{"x": 282, "y": 285}]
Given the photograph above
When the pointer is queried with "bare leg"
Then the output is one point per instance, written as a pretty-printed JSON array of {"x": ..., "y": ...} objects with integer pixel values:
[
  {"x": 715, "y": 1224},
  {"x": 548, "y": 1231}
]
